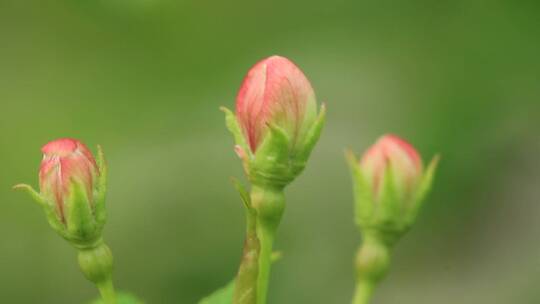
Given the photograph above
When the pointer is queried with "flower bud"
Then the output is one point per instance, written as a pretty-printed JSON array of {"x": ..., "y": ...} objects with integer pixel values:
[
  {"x": 395, "y": 154},
  {"x": 390, "y": 184},
  {"x": 275, "y": 91},
  {"x": 72, "y": 191},
  {"x": 276, "y": 124},
  {"x": 67, "y": 162}
]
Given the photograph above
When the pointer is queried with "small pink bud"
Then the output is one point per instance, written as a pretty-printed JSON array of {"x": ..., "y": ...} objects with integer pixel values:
[
  {"x": 66, "y": 161},
  {"x": 275, "y": 91},
  {"x": 403, "y": 160}
]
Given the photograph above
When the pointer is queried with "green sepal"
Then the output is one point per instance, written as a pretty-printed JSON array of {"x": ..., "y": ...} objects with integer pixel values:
[
  {"x": 312, "y": 136},
  {"x": 234, "y": 128},
  {"x": 220, "y": 296},
  {"x": 423, "y": 189},
  {"x": 389, "y": 206},
  {"x": 101, "y": 190},
  {"x": 79, "y": 217},
  {"x": 364, "y": 206},
  {"x": 33, "y": 194},
  {"x": 122, "y": 298},
  {"x": 48, "y": 207},
  {"x": 244, "y": 194},
  {"x": 274, "y": 148},
  {"x": 271, "y": 164},
  {"x": 388, "y": 223}
]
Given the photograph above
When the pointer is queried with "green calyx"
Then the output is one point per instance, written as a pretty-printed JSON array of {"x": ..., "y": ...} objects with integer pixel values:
[
  {"x": 389, "y": 216},
  {"x": 83, "y": 218},
  {"x": 275, "y": 162}
]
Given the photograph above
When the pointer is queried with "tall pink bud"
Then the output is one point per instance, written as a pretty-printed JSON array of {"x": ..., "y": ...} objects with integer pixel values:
[{"x": 275, "y": 91}]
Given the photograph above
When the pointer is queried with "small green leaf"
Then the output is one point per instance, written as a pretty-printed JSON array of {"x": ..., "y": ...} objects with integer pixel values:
[{"x": 221, "y": 296}]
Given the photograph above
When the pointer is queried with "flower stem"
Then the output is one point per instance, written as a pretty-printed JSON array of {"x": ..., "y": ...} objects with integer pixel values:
[
  {"x": 96, "y": 264},
  {"x": 245, "y": 291},
  {"x": 372, "y": 264},
  {"x": 363, "y": 293},
  {"x": 269, "y": 203},
  {"x": 266, "y": 237},
  {"x": 106, "y": 289}
]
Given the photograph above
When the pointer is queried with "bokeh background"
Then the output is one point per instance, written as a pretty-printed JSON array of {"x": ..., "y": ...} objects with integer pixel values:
[{"x": 145, "y": 78}]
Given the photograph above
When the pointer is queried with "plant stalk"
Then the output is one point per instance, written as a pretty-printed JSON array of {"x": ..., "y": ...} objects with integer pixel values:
[
  {"x": 245, "y": 291},
  {"x": 363, "y": 292},
  {"x": 268, "y": 201},
  {"x": 372, "y": 264},
  {"x": 106, "y": 289},
  {"x": 96, "y": 264},
  {"x": 266, "y": 237}
]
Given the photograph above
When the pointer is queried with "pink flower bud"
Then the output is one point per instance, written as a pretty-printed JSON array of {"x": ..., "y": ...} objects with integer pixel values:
[
  {"x": 404, "y": 162},
  {"x": 275, "y": 91},
  {"x": 66, "y": 161}
]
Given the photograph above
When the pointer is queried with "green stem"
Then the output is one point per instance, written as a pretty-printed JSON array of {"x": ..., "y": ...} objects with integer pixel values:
[
  {"x": 363, "y": 293},
  {"x": 372, "y": 264},
  {"x": 269, "y": 204},
  {"x": 96, "y": 264},
  {"x": 245, "y": 288},
  {"x": 106, "y": 289},
  {"x": 266, "y": 237}
]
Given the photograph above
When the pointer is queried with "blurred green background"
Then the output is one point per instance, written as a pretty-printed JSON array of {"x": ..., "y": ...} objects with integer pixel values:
[{"x": 145, "y": 78}]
